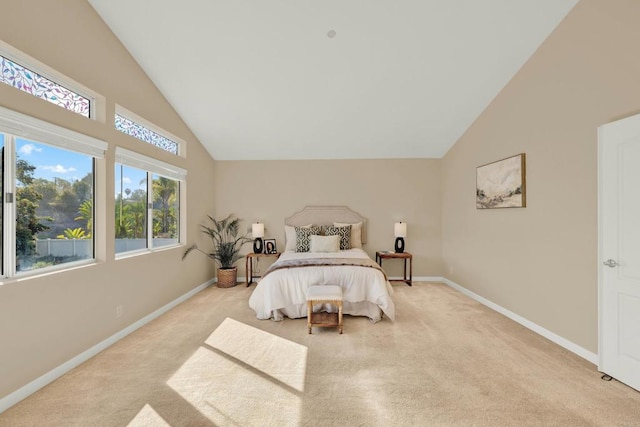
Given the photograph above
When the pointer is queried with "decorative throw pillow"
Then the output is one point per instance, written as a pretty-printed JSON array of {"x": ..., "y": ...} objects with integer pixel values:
[
  {"x": 324, "y": 243},
  {"x": 303, "y": 237},
  {"x": 343, "y": 232},
  {"x": 356, "y": 233},
  {"x": 290, "y": 237}
]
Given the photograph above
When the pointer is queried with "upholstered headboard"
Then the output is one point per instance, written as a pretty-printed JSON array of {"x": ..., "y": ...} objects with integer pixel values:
[{"x": 327, "y": 215}]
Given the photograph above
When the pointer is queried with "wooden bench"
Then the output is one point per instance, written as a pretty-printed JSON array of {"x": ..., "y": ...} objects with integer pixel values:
[{"x": 324, "y": 294}]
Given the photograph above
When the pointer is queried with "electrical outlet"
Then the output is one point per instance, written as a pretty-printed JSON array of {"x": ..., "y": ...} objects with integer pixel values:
[{"x": 119, "y": 310}]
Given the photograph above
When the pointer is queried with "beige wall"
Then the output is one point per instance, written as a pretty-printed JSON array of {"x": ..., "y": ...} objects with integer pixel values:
[
  {"x": 541, "y": 262},
  {"x": 47, "y": 320},
  {"x": 383, "y": 191}
]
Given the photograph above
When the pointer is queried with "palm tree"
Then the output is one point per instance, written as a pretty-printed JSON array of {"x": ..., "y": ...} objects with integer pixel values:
[
  {"x": 164, "y": 191},
  {"x": 86, "y": 214},
  {"x": 135, "y": 215},
  {"x": 75, "y": 233}
]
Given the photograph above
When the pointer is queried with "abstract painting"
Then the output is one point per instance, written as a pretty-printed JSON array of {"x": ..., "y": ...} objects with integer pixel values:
[{"x": 501, "y": 184}]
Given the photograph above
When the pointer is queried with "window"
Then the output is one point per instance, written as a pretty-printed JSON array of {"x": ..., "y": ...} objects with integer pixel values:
[
  {"x": 48, "y": 182},
  {"x": 29, "y": 81},
  {"x": 147, "y": 202},
  {"x": 129, "y": 123}
]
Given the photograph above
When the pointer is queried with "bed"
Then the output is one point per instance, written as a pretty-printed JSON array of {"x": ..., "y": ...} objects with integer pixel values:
[{"x": 283, "y": 288}]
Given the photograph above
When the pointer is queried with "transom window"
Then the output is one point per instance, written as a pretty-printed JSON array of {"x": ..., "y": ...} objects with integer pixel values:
[
  {"x": 143, "y": 132},
  {"x": 29, "y": 81}
]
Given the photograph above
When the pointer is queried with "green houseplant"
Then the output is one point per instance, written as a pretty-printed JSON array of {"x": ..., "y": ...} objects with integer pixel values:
[{"x": 226, "y": 241}]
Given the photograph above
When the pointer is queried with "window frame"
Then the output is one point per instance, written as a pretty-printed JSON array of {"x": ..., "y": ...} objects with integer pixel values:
[
  {"x": 16, "y": 125},
  {"x": 123, "y": 112},
  {"x": 152, "y": 167},
  {"x": 96, "y": 102}
]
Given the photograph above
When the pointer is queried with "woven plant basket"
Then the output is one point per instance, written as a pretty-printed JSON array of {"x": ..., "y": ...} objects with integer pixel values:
[{"x": 227, "y": 277}]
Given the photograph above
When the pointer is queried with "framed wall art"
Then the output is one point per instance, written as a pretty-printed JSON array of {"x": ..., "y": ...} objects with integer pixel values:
[{"x": 502, "y": 184}]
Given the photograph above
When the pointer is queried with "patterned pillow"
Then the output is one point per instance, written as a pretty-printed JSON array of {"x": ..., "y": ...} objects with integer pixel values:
[
  {"x": 302, "y": 237},
  {"x": 344, "y": 233},
  {"x": 356, "y": 233},
  {"x": 290, "y": 237}
]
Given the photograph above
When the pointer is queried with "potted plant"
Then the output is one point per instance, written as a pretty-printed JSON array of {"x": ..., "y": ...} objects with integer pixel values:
[{"x": 226, "y": 243}]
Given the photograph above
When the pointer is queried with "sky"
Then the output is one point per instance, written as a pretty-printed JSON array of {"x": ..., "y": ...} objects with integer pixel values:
[
  {"x": 132, "y": 179},
  {"x": 52, "y": 162}
]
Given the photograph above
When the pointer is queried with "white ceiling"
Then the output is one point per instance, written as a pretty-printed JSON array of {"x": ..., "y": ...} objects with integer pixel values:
[{"x": 257, "y": 79}]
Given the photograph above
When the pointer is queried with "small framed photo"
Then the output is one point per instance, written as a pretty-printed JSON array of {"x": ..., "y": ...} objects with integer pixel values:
[{"x": 270, "y": 246}]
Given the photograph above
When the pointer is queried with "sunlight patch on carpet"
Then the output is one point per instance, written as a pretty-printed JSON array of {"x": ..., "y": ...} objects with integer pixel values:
[
  {"x": 148, "y": 417},
  {"x": 281, "y": 359},
  {"x": 257, "y": 380}
]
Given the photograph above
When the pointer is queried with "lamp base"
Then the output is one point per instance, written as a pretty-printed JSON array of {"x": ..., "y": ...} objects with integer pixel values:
[
  {"x": 257, "y": 246},
  {"x": 399, "y": 245}
]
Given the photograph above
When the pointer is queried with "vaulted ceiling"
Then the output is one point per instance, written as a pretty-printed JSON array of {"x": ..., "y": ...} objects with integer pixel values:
[{"x": 324, "y": 79}]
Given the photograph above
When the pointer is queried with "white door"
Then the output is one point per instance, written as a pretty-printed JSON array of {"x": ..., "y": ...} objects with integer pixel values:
[{"x": 619, "y": 250}]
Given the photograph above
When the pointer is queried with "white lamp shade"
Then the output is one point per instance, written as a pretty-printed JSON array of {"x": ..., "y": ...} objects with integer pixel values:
[
  {"x": 257, "y": 230},
  {"x": 400, "y": 229}
]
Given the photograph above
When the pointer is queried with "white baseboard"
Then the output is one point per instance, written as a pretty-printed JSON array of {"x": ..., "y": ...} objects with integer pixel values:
[
  {"x": 562, "y": 342},
  {"x": 35, "y": 385}
]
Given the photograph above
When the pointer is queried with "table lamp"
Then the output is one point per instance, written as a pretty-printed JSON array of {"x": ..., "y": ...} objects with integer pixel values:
[
  {"x": 400, "y": 231},
  {"x": 257, "y": 230}
]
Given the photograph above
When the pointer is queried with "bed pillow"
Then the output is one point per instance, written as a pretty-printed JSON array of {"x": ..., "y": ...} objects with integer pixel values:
[
  {"x": 343, "y": 232},
  {"x": 290, "y": 237},
  {"x": 303, "y": 237},
  {"x": 324, "y": 243},
  {"x": 356, "y": 233}
]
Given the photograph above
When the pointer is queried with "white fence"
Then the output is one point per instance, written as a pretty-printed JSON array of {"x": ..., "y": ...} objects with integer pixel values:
[{"x": 83, "y": 248}]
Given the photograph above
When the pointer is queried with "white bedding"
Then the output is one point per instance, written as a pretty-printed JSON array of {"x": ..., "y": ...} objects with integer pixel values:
[{"x": 283, "y": 292}]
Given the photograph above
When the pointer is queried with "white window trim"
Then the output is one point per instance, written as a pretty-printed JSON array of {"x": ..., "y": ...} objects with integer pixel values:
[
  {"x": 9, "y": 212},
  {"x": 182, "y": 146},
  {"x": 140, "y": 161},
  {"x": 96, "y": 101},
  {"x": 167, "y": 170},
  {"x": 41, "y": 272},
  {"x": 29, "y": 127},
  {"x": 18, "y": 125}
]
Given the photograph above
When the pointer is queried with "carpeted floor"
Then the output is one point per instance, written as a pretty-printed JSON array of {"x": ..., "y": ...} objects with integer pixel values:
[{"x": 446, "y": 360}]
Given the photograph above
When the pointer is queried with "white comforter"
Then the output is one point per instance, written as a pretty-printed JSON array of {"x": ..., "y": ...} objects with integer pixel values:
[{"x": 283, "y": 292}]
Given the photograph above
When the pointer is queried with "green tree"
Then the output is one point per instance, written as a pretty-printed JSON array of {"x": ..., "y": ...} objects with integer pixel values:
[
  {"x": 73, "y": 233},
  {"x": 139, "y": 195},
  {"x": 27, "y": 201},
  {"x": 131, "y": 214},
  {"x": 83, "y": 188},
  {"x": 134, "y": 219},
  {"x": 121, "y": 231},
  {"x": 85, "y": 213},
  {"x": 164, "y": 194},
  {"x": 47, "y": 189},
  {"x": 67, "y": 203}
]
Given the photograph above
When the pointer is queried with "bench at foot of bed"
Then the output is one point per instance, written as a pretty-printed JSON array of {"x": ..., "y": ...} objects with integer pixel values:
[{"x": 325, "y": 294}]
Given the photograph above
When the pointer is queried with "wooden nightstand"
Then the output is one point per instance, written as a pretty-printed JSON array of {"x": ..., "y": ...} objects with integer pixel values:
[
  {"x": 380, "y": 255},
  {"x": 248, "y": 265}
]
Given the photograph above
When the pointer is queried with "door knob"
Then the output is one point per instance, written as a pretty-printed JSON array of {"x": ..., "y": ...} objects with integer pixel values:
[{"x": 611, "y": 263}]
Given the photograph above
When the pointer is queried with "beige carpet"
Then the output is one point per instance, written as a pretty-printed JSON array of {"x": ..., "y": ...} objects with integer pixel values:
[{"x": 447, "y": 360}]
